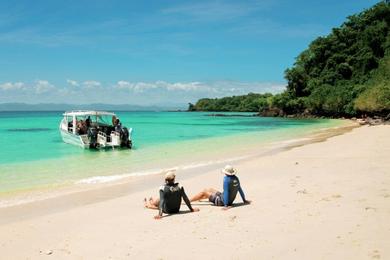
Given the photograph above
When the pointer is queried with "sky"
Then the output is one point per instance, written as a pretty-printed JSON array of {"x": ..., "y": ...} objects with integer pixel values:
[{"x": 155, "y": 52}]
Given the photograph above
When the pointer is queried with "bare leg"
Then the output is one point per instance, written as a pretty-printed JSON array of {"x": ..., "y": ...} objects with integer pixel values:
[
  {"x": 205, "y": 194},
  {"x": 151, "y": 203}
]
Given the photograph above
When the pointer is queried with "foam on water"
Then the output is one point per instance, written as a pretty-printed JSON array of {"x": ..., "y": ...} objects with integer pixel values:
[
  {"x": 115, "y": 178},
  {"x": 292, "y": 141}
]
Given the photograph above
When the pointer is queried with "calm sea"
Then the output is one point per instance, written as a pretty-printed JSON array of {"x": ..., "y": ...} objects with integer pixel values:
[{"x": 33, "y": 156}]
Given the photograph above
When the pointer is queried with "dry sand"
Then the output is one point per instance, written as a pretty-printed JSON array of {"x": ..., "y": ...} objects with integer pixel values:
[{"x": 326, "y": 200}]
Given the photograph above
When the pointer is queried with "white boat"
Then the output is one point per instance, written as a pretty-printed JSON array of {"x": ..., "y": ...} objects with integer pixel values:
[{"x": 94, "y": 129}]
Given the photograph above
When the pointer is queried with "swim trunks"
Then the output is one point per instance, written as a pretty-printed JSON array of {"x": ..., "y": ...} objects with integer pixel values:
[{"x": 216, "y": 198}]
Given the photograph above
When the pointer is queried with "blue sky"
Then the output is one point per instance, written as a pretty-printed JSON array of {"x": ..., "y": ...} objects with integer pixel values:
[{"x": 155, "y": 52}]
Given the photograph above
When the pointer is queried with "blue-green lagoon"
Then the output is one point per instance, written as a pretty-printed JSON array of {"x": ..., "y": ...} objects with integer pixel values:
[{"x": 34, "y": 157}]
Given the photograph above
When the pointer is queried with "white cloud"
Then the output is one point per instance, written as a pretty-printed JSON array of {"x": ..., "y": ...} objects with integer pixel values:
[
  {"x": 12, "y": 86},
  {"x": 137, "y": 87},
  {"x": 241, "y": 88},
  {"x": 72, "y": 83},
  {"x": 43, "y": 86},
  {"x": 91, "y": 84},
  {"x": 186, "y": 86},
  {"x": 162, "y": 85},
  {"x": 124, "y": 84},
  {"x": 142, "y": 86},
  {"x": 144, "y": 93},
  {"x": 213, "y": 88}
]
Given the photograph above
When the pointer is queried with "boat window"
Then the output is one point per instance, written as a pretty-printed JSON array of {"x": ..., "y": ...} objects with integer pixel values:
[{"x": 104, "y": 119}]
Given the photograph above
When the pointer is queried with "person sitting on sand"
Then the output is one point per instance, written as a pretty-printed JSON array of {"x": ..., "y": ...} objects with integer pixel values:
[
  {"x": 231, "y": 185},
  {"x": 171, "y": 194}
]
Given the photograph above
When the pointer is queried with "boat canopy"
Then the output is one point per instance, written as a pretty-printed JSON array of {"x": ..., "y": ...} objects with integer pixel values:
[{"x": 88, "y": 113}]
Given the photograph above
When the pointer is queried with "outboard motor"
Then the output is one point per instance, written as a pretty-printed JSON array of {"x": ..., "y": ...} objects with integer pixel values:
[
  {"x": 92, "y": 137},
  {"x": 124, "y": 135}
]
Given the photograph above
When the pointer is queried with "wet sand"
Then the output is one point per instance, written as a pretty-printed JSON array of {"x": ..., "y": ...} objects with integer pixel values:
[{"x": 324, "y": 200}]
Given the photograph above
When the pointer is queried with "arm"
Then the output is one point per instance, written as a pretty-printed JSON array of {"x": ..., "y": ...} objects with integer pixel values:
[
  {"x": 186, "y": 200},
  {"x": 225, "y": 191},
  {"x": 243, "y": 195},
  {"x": 161, "y": 205}
]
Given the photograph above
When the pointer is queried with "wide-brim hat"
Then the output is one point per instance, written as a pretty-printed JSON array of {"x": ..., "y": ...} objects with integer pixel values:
[{"x": 229, "y": 170}]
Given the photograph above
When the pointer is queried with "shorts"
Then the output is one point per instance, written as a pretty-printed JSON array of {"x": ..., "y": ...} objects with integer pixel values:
[{"x": 216, "y": 198}]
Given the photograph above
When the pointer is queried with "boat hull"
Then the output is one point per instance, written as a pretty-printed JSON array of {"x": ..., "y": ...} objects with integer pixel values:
[{"x": 70, "y": 138}]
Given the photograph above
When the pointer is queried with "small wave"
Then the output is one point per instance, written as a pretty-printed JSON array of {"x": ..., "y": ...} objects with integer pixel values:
[
  {"x": 297, "y": 140},
  {"x": 112, "y": 178},
  {"x": 28, "y": 129},
  {"x": 101, "y": 179}
]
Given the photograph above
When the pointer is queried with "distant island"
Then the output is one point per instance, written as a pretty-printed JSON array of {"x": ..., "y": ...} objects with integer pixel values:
[{"x": 344, "y": 74}]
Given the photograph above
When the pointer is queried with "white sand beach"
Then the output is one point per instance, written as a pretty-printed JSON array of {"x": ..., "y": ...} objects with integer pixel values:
[{"x": 324, "y": 200}]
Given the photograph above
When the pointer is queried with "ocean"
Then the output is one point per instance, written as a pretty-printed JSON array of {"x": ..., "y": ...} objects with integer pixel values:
[{"x": 33, "y": 155}]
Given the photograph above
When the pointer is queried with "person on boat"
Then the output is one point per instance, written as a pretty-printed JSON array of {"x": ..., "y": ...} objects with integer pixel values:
[
  {"x": 231, "y": 185},
  {"x": 171, "y": 194},
  {"x": 81, "y": 127},
  {"x": 117, "y": 125},
  {"x": 88, "y": 122}
]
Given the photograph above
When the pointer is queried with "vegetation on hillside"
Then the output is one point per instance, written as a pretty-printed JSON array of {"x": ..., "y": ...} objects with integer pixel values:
[
  {"x": 343, "y": 74},
  {"x": 246, "y": 103}
]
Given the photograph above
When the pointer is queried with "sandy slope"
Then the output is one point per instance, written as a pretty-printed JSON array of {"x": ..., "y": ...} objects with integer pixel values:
[{"x": 327, "y": 200}]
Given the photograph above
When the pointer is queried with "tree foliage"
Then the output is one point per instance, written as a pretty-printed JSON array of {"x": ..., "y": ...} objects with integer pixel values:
[
  {"x": 342, "y": 74},
  {"x": 376, "y": 96},
  {"x": 329, "y": 75},
  {"x": 246, "y": 103}
]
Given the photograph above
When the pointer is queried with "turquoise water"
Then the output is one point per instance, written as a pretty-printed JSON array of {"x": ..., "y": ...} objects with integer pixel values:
[{"x": 32, "y": 153}]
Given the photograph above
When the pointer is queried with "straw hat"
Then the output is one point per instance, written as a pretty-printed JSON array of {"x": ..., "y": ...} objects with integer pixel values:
[
  {"x": 170, "y": 175},
  {"x": 229, "y": 170}
]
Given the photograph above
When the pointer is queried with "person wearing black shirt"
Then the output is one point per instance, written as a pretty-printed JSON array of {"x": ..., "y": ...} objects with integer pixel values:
[{"x": 171, "y": 194}]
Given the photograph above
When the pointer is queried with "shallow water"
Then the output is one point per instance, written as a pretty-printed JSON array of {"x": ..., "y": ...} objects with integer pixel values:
[{"x": 33, "y": 156}]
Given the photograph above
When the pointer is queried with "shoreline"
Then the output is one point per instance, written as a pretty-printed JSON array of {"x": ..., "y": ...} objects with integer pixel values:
[
  {"x": 17, "y": 206},
  {"x": 324, "y": 200}
]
